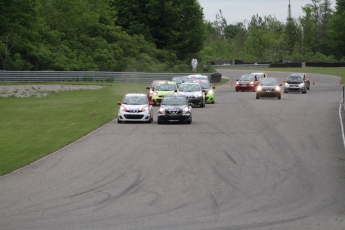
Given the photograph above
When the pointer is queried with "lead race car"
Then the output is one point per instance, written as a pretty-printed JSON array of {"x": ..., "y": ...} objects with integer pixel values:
[
  {"x": 135, "y": 107},
  {"x": 296, "y": 82},
  {"x": 174, "y": 108}
]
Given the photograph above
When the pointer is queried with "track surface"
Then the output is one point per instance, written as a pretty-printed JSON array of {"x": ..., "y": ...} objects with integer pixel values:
[{"x": 242, "y": 164}]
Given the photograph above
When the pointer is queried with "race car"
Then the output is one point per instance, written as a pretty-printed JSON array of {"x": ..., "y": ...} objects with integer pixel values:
[
  {"x": 161, "y": 89},
  {"x": 207, "y": 87},
  {"x": 174, "y": 108},
  {"x": 193, "y": 92},
  {"x": 269, "y": 87},
  {"x": 135, "y": 107},
  {"x": 296, "y": 83},
  {"x": 247, "y": 82}
]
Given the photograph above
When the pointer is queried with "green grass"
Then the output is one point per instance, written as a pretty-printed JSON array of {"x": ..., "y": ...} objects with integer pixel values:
[{"x": 32, "y": 128}]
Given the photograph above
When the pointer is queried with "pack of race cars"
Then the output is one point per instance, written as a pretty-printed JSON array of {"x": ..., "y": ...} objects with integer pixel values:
[
  {"x": 269, "y": 87},
  {"x": 177, "y": 97}
]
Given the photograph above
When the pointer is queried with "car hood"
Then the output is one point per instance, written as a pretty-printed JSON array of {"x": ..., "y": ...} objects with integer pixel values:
[
  {"x": 294, "y": 81},
  {"x": 173, "y": 107},
  {"x": 244, "y": 82},
  {"x": 134, "y": 107}
]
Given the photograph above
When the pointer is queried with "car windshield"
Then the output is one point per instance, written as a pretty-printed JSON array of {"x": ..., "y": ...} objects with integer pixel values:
[
  {"x": 153, "y": 84},
  {"x": 269, "y": 82},
  {"x": 247, "y": 78},
  {"x": 174, "y": 101},
  {"x": 165, "y": 87},
  {"x": 189, "y": 87},
  {"x": 259, "y": 75},
  {"x": 205, "y": 85},
  {"x": 295, "y": 78},
  {"x": 135, "y": 100}
]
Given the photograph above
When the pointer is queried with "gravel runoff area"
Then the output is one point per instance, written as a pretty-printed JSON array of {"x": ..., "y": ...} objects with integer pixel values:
[{"x": 36, "y": 90}]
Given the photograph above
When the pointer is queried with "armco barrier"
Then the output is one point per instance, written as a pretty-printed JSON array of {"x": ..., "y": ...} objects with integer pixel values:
[{"x": 46, "y": 76}]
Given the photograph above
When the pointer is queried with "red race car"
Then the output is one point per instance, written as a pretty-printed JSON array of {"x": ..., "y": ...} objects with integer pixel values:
[{"x": 247, "y": 82}]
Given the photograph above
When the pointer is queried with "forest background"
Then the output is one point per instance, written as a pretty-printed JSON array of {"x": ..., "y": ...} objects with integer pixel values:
[{"x": 159, "y": 36}]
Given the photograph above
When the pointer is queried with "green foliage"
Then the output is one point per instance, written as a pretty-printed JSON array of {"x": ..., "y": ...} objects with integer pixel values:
[
  {"x": 174, "y": 25},
  {"x": 156, "y": 35},
  {"x": 265, "y": 39}
]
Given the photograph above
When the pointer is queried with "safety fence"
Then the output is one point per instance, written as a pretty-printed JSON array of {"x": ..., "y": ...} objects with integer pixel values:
[{"x": 49, "y": 76}]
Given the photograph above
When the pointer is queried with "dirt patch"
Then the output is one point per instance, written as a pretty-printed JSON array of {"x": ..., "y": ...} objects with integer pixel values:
[{"x": 40, "y": 90}]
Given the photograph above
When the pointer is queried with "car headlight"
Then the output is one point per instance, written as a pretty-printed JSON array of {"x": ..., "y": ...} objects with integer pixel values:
[
  {"x": 154, "y": 93},
  {"x": 210, "y": 92},
  {"x": 259, "y": 88},
  {"x": 277, "y": 88},
  {"x": 286, "y": 84},
  {"x": 252, "y": 83},
  {"x": 301, "y": 84},
  {"x": 199, "y": 95},
  {"x": 122, "y": 108},
  {"x": 161, "y": 110},
  {"x": 146, "y": 108},
  {"x": 185, "y": 110}
]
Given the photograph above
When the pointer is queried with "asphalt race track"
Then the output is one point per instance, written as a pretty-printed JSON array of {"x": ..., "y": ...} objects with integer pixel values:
[{"x": 242, "y": 164}]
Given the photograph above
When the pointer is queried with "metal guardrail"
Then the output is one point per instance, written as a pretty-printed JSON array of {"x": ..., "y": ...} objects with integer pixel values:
[{"x": 46, "y": 76}]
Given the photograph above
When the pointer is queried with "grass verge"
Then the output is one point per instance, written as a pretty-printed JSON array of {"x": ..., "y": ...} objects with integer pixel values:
[{"x": 32, "y": 128}]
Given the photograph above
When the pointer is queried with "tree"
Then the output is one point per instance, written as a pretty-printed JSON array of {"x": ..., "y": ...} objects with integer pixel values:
[
  {"x": 17, "y": 18},
  {"x": 291, "y": 32},
  {"x": 336, "y": 29},
  {"x": 174, "y": 25}
]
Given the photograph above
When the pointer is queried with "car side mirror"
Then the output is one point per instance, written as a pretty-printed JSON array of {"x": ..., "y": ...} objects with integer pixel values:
[
  {"x": 147, "y": 87},
  {"x": 280, "y": 85}
]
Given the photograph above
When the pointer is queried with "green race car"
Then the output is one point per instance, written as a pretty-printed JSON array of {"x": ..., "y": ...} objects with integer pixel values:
[{"x": 161, "y": 89}]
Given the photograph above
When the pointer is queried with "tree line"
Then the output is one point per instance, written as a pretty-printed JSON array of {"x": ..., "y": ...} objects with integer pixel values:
[{"x": 157, "y": 35}]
